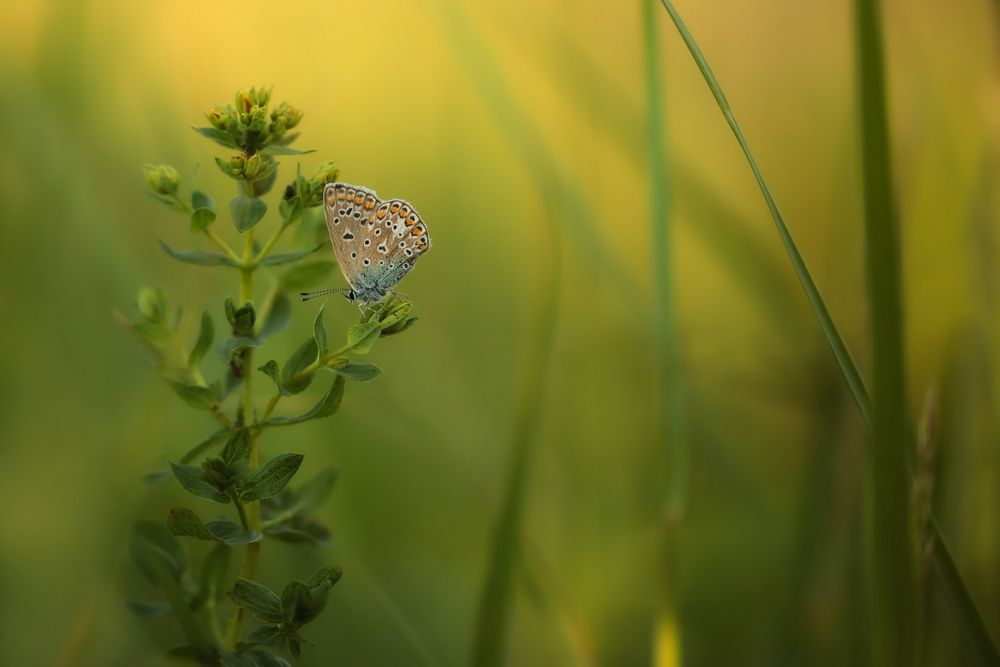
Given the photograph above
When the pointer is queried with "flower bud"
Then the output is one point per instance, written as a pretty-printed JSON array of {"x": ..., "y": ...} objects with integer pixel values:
[
  {"x": 153, "y": 304},
  {"x": 162, "y": 178},
  {"x": 237, "y": 163},
  {"x": 253, "y": 167},
  {"x": 216, "y": 118}
]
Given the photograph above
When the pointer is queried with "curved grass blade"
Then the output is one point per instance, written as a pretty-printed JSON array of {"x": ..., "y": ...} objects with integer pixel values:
[
  {"x": 955, "y": 586},
  {"x": 833, "y": 337}
]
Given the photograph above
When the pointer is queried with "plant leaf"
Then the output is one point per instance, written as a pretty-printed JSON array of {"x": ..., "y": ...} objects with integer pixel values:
[
  {"x": 232, "y": 534},
  {"x": 319, "y": 334},
  {"x": 205, "y": 336},
  {"x": 296, "y": 601},
  {"x": 257, "y": 599},
  {"x": 218, "y": 136},
  {"x": 154, "y": 549},
  {"x": 356, "y": 372},
  {"x": 148, "y": 608},
  {"x": 246, "y": 212},
  {"x": 330, "y": 574},
  {"x": 304, "y": 355},
  {"x": 201, "y": 218},
  {"x": 237, "y": 447},
  {"x": 198, "y": 257},
  {"x": 313, "y": 493},
  {"x": 213, "y": 574},
  {"x": 201, "y": 200},
  {"x": 191, "y": 478},
  {"x": 327, "y": 406},
  {"x": 277, "y": 149},
  {"x": 271, "y": 477},
  {"x": 205, "y": 443},
  {"x": 361, "y": 337},
  {"x": 183, "y": 521},
  {"x": 194, "y": 395},
  {"x": 228, "y": 347},
  {"x": 286, "y": 257}
]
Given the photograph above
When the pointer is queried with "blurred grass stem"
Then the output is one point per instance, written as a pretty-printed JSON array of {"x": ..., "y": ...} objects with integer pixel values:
[
  {"x": 667, "y": 636},
  {"x": 890, "y": 544},
  {"x": 489, "y": 641}
]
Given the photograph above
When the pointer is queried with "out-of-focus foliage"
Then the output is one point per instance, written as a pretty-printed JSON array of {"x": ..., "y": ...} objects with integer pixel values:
[{"x": 490, "y": 117}]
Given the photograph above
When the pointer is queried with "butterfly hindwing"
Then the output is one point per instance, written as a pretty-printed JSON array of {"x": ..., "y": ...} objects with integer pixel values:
[{"x": 376, "y": 242}]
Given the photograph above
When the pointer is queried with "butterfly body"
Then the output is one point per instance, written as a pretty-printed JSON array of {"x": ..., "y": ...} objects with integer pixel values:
[{"x": 376, "y": 242}]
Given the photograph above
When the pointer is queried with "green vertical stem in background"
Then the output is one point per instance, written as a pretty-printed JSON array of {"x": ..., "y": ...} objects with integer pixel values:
[
  {"x": 667, "y": 646},
  {"x": 945, "y": 570},
  {"x": 248, "y": 569},
  {"x": 890, "y": 545},
  {"x": 490, "y": 638}
]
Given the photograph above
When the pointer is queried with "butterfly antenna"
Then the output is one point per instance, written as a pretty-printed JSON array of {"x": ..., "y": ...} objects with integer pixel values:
[{"x": 305, "y": 296}]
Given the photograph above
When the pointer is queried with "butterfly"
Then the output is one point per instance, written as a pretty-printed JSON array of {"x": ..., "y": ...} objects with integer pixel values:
[{"x": 376, "y": 242}]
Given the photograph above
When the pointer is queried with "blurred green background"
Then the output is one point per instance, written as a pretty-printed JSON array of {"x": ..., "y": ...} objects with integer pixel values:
[{"x": 508, "y": 124}]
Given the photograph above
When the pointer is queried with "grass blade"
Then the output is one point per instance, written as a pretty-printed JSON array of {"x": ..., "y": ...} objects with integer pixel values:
[
  {"x": 889, "y": 546},
  {"x": 961, "y": 601},
  {"x": 489, "y": 642},
  {"x": 833, "y": 337},
  {"x": 946, "y": 572},
  {"x": 667, "y": 647}
]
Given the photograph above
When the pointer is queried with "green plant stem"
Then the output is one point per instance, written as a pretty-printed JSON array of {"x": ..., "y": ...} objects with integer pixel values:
[
  {"x": 954, "y": 586},
  {"x": 667, "y": 644},
  {"x": 221, "y": 416},
  {"x": 890, "y": 546},
  {"x": 271, "y": 404},
  {"x": 270, "y": 243},
  {"x": 266, "y": 305},
  {"x": 239, "y": 509},
  {"x": 251, "y": 519},
  {"x": 223, "y": 246}
]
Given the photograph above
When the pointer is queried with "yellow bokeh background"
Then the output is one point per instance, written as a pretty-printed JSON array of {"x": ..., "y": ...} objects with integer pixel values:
[{"x": 517, "y": 128}]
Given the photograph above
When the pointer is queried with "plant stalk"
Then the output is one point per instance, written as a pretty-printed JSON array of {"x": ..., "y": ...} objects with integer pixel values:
[
  {"x": 890, "y": 544},
  {"x": 667, "y": 637}
]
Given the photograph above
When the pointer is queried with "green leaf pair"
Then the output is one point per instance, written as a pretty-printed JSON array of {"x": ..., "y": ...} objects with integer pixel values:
[
  {"x": 221, "y": 480},
  {"x": 183, "y": 521},
  {"x": 300, "y": 603}
]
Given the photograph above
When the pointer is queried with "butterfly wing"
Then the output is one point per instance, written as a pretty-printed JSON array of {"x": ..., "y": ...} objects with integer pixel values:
[
  {"x": 376, "y": 242},
  {"x": 402, "y": 239},
  {"x": 349, "y": 210}
]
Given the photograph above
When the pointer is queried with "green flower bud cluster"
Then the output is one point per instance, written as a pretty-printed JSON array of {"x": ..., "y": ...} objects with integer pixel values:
[
  {"x": 303, "y": 193},
  {"x": 162, "y": 179},
  {"x": 250, "y": 125}
]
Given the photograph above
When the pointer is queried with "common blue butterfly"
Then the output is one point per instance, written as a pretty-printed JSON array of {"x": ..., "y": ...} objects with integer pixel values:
[{"x": 376, "y": 242}]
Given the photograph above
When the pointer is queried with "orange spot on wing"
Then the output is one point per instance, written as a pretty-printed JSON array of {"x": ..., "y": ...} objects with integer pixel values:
[
  {"x": 380, "y": 214},
  {"x": 393, "y": 208},
  {"x": 412, "y": 220},
  {"x": 418, "y": 231},
  {"x": 358, "y": 198}
]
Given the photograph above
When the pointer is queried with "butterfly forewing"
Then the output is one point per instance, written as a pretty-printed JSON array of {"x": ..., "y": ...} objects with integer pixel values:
[{"x": 376, "y": 243}]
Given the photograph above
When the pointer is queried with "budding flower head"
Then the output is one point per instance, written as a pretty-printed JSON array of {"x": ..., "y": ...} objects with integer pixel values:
[
  {"x": 153, "y": 303},
  {"x": 162, "y": 178}
]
